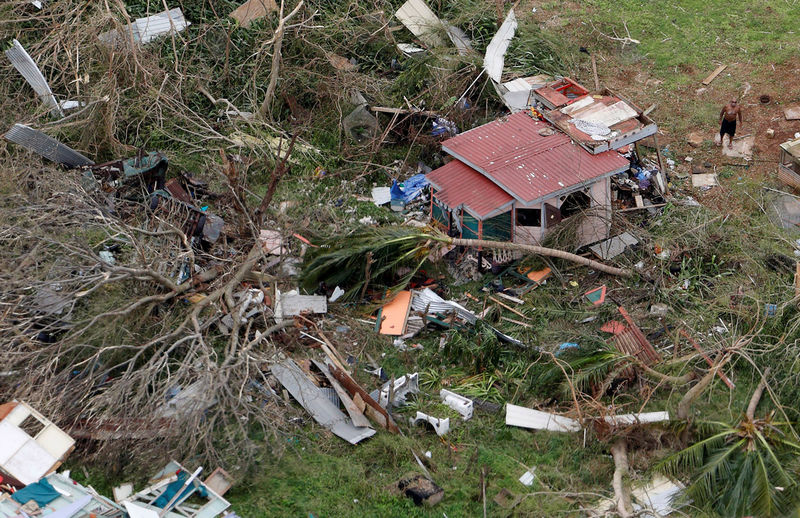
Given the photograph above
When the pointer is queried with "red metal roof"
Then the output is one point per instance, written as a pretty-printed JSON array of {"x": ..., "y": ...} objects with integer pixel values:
[
  {"x": 527, "y": 165},
  {"x": 460, "y": 185}
]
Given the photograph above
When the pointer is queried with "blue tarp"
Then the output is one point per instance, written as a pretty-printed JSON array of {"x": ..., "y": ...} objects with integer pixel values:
[{"x": 411, "y": 188}]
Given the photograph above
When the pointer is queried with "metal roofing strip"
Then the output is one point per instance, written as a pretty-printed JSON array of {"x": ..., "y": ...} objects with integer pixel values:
[
  {"x": 45, "y": 146},
  {"x": 494, "y": 60},
  {"x": 428, "y": 300},
  {"x": 26, "y": 66},
  {"x": 316, "y": 403}
]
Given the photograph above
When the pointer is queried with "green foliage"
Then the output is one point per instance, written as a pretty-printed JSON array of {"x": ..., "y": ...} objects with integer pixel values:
[
  {"x": 747, "y": 469},
  {"x": 346, "y": 260}
]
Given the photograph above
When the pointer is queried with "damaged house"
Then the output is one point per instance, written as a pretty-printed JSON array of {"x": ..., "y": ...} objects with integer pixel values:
[{"x": 513, "y": 179}]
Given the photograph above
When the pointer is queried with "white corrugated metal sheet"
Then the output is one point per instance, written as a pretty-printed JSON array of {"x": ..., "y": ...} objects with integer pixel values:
[
  {"x": 26, "y": 66},
  {"x": 45, "y": 146}
]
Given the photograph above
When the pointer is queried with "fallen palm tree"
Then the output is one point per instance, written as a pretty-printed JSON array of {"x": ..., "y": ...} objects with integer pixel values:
[{"x": 357, "y": 259}]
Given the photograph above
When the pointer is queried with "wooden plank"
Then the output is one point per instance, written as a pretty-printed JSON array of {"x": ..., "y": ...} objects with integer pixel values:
[
  {"x": 371, "y": 407},
  {"x": 506, "y": 306},
  {"x": 594, "y": 73},
  {"x": 523, "y": 324},
  {"x": 714, "y": 74},
  {"x": 509, "y": 297},
  {"x": 662, "y": 173},
  {"x": 353, "y": 410},
  {"x": 394, "y": 314}
]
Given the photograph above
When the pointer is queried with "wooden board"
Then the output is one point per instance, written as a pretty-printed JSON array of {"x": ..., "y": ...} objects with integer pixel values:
[
  {"x": 394, "y": 314},
  {"x": 714, "y": 74},
  {"x": 253, "y": 10}
]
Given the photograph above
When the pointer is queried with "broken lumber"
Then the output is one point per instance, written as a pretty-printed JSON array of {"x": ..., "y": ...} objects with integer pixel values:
[
  {"x": 714, "y": 74},
  {"x": 356, "y": 391},
  {"x": 694, "y": 344}
]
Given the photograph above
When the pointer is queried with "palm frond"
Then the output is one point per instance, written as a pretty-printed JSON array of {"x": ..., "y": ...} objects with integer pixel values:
[{"x": 342, "y": 261}]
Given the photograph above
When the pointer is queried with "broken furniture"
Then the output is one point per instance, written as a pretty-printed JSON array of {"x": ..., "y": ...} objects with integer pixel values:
[
  {"x": 515, "y": 178},
  {"x": 68, "y": 499},
  {"x": 175, "y": 492},
  {"x": 789, "y": 164},
  {"x": 31, "y": 446}
]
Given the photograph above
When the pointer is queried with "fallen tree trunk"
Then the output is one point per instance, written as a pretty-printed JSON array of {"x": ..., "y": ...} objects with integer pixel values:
[
  {"x": 622, "y": 493},
  {"x": 751, "y": 408},
  {"x": 537, "y": 250},
  {"x": 697, "y": 389}
]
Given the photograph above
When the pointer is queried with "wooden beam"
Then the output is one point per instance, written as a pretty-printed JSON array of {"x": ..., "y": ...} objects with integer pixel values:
[
  {"x": 594, "y": 73},
  {"x": 714, "y": 74},
  {"x": 662, "y": 172}
]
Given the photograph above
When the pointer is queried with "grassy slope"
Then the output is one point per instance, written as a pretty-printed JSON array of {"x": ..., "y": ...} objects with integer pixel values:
[{"x": 681, "y": 43}]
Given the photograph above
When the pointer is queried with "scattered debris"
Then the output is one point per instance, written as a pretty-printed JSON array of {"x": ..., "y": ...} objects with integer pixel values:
[
  {"x": 659, "y": 310},
  {"x": 641, "y": 418},
  {"x": 46, "y": 146},
  {"x": 460, "y": 404},
  {"x": 311, "y": 397},
  {"x": 506, "y": 499},
  {"x": 403, "y": 386},
  {"x": 742, "y": 147},
  {"x": 597, "y": 295},
  {"x": 528, "y": 477},
  {"x": 705, "y": 180},
  {"x": 145, "y": 30},
  {"x": 440, "y": 426},
  {"x": 421, "y": 489},
  {"x": 26, "y": 458},
  {"x": 494, "y": 59},
  {"x": 26, "y": 66},
  {"x": 292, "y": 304},
  {"x": 393, "y": 316},
  {"x": 174, "y": 491},
  {"x": 789, "y": 164},
  {"x": 57, "y": 495},
  {"x": 220, "y": 481}
]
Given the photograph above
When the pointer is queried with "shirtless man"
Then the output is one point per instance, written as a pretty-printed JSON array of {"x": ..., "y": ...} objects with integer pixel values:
[{"x": 727, "y": 119}]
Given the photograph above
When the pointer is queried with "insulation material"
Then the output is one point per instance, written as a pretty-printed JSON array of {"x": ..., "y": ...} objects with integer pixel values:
[
  {"x": 494, "y": 59},
  {"x": 26, "y": 66},
  {"x": 46, "y": 146}
]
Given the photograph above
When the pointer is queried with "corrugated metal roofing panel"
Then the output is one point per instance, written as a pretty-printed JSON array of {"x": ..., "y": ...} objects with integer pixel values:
[
  {"x": 45, "y": 145},
  {"x": 527, "y": 165},
  {"x": 459, "y": 184},
  {"x": 26, "y": 66}
]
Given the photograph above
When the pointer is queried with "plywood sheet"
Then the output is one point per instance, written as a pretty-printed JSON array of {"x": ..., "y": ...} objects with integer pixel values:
[{"x": 395, "y": 313}]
